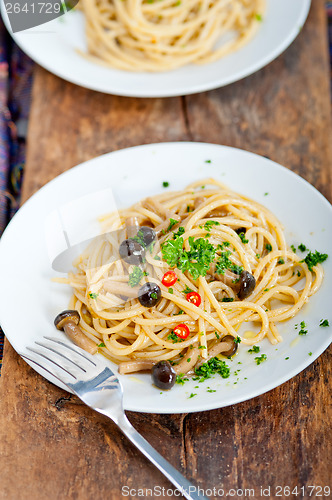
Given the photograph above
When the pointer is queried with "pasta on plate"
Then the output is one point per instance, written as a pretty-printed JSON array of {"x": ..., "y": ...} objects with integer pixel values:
[
  {"x": 187, "y": 276},
  {"x": 161, "y": 35}
]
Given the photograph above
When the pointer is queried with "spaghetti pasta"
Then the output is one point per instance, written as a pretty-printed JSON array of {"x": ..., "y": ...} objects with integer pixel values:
[
  {"x": 235, "y": 279},
  {"x": 147, "y": 35}
]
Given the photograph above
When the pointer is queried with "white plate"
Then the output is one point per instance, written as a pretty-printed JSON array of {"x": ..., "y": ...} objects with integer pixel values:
[
  {"x": 29, "y": 301},
  {"x": 54, "y": 45}
]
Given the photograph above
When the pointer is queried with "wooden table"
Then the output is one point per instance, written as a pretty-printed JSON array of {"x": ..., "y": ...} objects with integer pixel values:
[{"x": 54, "y": 447}]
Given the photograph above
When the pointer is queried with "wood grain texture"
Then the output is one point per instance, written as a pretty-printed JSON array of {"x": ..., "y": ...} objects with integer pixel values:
[{"x": 54, "y": 447}]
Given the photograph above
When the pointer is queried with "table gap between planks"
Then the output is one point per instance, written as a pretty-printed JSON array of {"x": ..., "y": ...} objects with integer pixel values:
[{"x": 54, "y": 447}]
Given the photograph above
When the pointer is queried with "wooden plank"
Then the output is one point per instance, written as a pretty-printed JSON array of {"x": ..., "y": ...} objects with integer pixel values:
[{"x": 55, "y": 447}]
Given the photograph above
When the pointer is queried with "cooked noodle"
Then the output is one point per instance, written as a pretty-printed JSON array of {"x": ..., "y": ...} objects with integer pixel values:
[
  {"x": 143, "y": 35},
  {"x": 131, "y": 332}
]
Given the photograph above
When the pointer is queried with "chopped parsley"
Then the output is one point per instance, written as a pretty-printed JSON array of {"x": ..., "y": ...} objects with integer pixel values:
[
  {"x": 260, "y": 359},
  {"x": 180, "y": 312},
  {"x": 174, "y": 338},
  {"x": 281, "y": 261},
  {"x": 293, "y": 248},
  {"x": 170, "y": 290},
  {"x": 93, "y": 295},
  {"x": 172, "y": 223},
  {"x": 312, "y": 259},
  {"x": 268, "y": 247},
  {"x": 196, "y": 260},
  {"x": 324, "y": 322},
  {"x": 154, "y": 295},
  {"x": 224, "y": 263},
  {"x": 217, "y": 335},
  {"x": 189, "y": 209},
  {"x": 192, "y": 395},
  {"x": 302, "y": 247},
  {"x": 135, "y": 276},
  {"x": 237, "y": 340},
  {"x": 101, "y": 344},
  {"x": 310, "y": 353},
  {"x": 303, "y": 330},
  {"x": 254, "y": 348},
  {"x": 259, "y": 17},
  {"x": 165, "y": 184},
  {"x": 211, "y": 223},
  {"x": 243, "y": 238},
  {"x": 211, "y": 367},
  {"x": 181, "y": 379},
  {"x": 287, "y": 358},
  {"x": 211, "y": 390},
  {"x": 227, "y": 299},
  {"x": 187, "y": 290},
  {"x": 207, "y": 161}
]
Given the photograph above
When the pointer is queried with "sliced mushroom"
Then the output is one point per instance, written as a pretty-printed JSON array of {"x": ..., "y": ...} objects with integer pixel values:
[
  {"x": 68, "y": 321},
  {"x": 135, "y": 366},
  {"x": 120, "y": 288}
]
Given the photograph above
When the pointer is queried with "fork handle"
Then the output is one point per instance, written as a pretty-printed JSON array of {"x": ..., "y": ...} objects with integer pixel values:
[{"x": 187, "y": 489}]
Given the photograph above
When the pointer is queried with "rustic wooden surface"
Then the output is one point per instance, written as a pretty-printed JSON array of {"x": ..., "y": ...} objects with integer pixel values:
[{"x": 52, "y": 446}]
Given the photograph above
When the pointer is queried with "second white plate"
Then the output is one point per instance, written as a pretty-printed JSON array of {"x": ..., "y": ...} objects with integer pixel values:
[{"x": 54, "y": 45}]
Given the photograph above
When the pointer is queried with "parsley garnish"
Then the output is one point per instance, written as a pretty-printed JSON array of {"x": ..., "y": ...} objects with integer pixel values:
[
  {"x": 303, "y": 326},
  {"x": 268, "y": 247},
  {"x": 324, "y": 322},
  {"x": 302, "y": 247},
  {"x": 312, "y": 259},
  {"x": 281, "y": 261},
  {"x": 237, "y": 340},
  {"x": 243, "y": 238},
  {"x": 187, "y": 290},
  {"x": 211, "y": 223},
  {"x": 180, "y": 231},
  {"x": 293, "y": 248},
  {"x": 227, "y": 299},
  {"x": 254, "y": 348},
  {"x": 93, "y": 295},
  {"x": 136, "y": 276},
  {"x": 260, "y": 359},
  {"x": 172, "y": 223},
  {"x": 101, "y": 344},
  {"x": 260, "y": 18},
  {"x": 224, "y": 263},
  {"x": 217, "y": 335},
  {"x": 154, "y": 295},
  {"x": 196, "y": 261},
  {"x": 207, "y": 161},
  {"x": 174, "y": 338},
  {"x": 180, "y": 312},
  {"x": 181, "y": 379},
  {"x": 165, "y": 184},
  {"x": 214, "y": 365},
  {"x": 192, "y": 395}
]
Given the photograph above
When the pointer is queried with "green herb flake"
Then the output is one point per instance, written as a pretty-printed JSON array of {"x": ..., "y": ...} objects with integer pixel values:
[
  {"x": 243, "y": 238},
  {"x": 268, "y": 247},
  {"x": 260, "y": 359},
  {"x": 172, "y": 223},
  {"x": 207, "y": 161},
  {"x": 170, "y": 290},
  {"x": 154, "y": 295},
  {"x": 287, "y": 358},
  {"x": 324, "y": 322},
  {"x": 217, "y": 335},
  {"x": 135, "y": 276},
  {"x": 224, "y": 263},
  {"x": 254, "y": 348},
  {"x": 187, "y": 290},
  {"x": 178, "y": 313},
  {"x": 312, "y": 259},
  {"x": 208, "y": 225},
  {"x": 259, "y": 18},
  {"x": 227, "y": 299},
  {"x": 211, "y": 367},
  {"x": 237, "y": 340},
  {"x": 165, "y": 184},
  {"x": 302, "y": 247},
  {"x": 181, "y": 379},
  {"x": 211, "y": 390},
  {"x": 101, "y": 344},
  {"x": 293, "y": 248},
  {"x": 281, "y": 261},
  {"x": 93, "y": 295},
  {"x": 193, "y": 394},
  {"x": 310, "y": 353},
  {"x": 174, "y": 338},
  {"x": 303, "y": 330}
]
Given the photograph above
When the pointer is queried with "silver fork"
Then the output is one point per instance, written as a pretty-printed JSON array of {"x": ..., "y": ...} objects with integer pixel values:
[{"x": 97, "y": 386}]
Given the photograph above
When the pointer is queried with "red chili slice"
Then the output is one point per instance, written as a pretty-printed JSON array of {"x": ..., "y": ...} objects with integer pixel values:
[
  {"x": 194, "y": 298},
  {"x": 181, "y": 331},
  {"x": 169, "y": 278}
]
